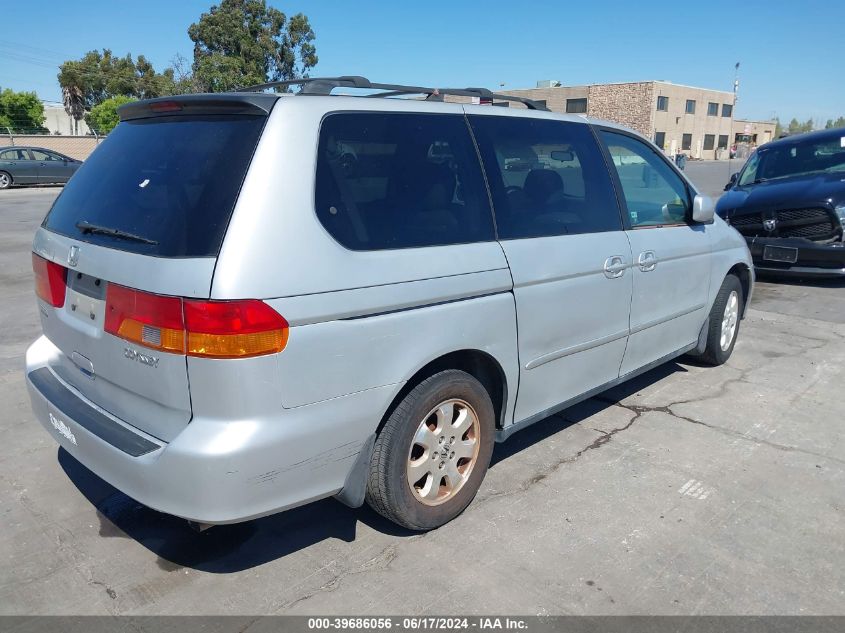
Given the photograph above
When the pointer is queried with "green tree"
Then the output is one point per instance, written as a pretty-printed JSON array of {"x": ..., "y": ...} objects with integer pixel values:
[
  {"x": 98, "y": 76},
  {"x": 103, "y": 116},
  {"x": 243, "y": 42},
  {"x": 796, "y": 127},
  {"x": 840, "y": 122},
  {"x": 22, "y": 112}
]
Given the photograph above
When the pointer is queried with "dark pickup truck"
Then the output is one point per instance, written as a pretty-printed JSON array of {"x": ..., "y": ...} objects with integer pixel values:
[{"x": 788, "y": 201}]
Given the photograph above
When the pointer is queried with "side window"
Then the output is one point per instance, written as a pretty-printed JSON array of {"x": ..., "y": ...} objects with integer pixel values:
[
  {"x": 14, "y": 154},
  {"x": 395, "y": 180},
  {"x": 546, "y": 177},
  {"x": 654, "y": 193},
  {"x": 41, "y": 155}
]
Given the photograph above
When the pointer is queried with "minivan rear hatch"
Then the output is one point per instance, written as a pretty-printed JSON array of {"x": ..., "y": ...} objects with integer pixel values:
[{"x": 136, "y": 232}]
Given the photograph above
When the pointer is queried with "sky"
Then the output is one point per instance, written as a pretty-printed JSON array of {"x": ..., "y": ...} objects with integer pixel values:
[{"x": 789, "y": 62}]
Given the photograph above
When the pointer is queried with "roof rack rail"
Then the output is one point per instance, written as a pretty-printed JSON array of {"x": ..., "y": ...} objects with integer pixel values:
[{"x": 325, "y": 85}]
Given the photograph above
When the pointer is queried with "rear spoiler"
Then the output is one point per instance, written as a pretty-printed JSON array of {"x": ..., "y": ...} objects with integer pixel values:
[{"x": 186, "y": 105}]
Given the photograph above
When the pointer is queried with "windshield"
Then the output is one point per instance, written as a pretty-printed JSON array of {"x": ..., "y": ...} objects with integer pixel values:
[
  {"x": 826, "y": 154},
  {"x": 168, "y": 183}
]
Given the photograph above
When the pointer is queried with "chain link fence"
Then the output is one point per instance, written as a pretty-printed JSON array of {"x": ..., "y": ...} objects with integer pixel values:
[{"x": 76, "y": 146}]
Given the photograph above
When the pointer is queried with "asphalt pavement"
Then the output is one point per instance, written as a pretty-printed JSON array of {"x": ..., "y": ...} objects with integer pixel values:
[{"x": 691, "y": 490}]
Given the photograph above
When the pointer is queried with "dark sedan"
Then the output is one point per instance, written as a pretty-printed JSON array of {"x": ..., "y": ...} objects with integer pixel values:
[
  {"x": 789, "y": 204},
  {"x": 34, "y": 165}
]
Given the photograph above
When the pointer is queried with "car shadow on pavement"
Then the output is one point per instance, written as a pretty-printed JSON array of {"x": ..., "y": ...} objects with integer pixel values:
[
  {"x": 223, "y": 548},
  {"x": 231, "y": 548}
]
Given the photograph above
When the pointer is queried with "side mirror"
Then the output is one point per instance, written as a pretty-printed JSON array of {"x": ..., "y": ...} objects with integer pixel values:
[
  {"x": 732, "y": 181},
  {"x": 703, "y": 209}
]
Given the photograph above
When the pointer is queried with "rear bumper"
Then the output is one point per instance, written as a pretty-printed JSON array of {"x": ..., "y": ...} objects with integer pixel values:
[
  {"x": 215, "y": 470},
  {"x": 813, "y": 259}
]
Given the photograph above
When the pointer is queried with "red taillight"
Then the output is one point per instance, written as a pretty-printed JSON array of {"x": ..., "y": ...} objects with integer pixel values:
[
  {"x": 217, "y": 329},
  {"x": 147, "y": 319},
  {"x": 165, "y": 106},
  {"x": 50, "y": 281},
  {"x": 234, "y": 329}
]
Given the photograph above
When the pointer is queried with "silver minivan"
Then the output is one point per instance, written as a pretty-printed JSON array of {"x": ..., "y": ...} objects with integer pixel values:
[{"x": 254, "y": 300}]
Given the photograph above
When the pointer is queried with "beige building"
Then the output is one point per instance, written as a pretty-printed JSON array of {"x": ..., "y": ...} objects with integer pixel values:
[
  {"x": 696, "y": 121},
  {"x": 60, "y": 122}
]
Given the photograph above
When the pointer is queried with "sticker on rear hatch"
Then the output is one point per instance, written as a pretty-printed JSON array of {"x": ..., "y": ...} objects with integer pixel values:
[{"x": 62, "y": 428}]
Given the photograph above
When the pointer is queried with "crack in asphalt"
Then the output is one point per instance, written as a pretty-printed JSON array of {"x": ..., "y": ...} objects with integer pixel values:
[{"x": 379, "y": 562}]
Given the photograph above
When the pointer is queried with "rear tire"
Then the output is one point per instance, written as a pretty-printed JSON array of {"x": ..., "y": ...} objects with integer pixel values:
[
  {"x": 724, "y": 320},
  {"x": 5, "y": 180},
  {"x": 432, "y": 454}
]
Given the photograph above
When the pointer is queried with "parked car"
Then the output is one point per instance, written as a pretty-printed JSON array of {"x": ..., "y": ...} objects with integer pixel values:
[
  {"x": 34, "y": 165},
  {"x": 789, "y": 204},
  {"x": 237, "y": 320}
]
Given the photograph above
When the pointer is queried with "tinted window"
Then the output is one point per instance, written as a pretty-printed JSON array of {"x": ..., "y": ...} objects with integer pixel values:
[
  {"x": 712, "y": 109},
  {"x": 546, "y": 177},
  {"x": 723, "y": 141},
  {"x": 660, "y": 139},
  {"x": 690, "y": 107},
  {"x": 663, "y": 103},
  {"x": 727, "y": 109},
  {"x": 388, "y": 180},
  {"x": 824, "y": 154},
  {"x": 654, "y": 193},
  {"x": 709, "y": 141},
  {"x": 686, "y": 141},
  {"x": 173, "y": 180}
]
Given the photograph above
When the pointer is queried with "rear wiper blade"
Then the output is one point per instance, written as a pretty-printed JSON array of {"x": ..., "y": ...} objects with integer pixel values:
[{"x": 87, "y": 227}]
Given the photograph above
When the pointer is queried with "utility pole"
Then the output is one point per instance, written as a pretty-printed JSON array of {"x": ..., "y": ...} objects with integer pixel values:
[{"x": 736, "y": 84}]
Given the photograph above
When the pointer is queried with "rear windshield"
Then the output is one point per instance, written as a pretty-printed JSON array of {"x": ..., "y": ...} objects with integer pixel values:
[{"x": 169, "y": 182}]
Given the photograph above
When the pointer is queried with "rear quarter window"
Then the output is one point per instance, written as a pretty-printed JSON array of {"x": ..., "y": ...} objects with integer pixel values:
[
  {"x": 170, "y": 180},
  {"x": 396, "y": 180}
]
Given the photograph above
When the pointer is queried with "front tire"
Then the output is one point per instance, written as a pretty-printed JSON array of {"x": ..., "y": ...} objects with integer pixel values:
[
  {"x": 724, "y": 322},
  {"x": 432, "y": 454},
  {"x": 5, "y": 180}
]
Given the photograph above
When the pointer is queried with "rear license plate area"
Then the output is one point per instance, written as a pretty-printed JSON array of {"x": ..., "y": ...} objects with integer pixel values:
[
  {"x": 86, "y": 298},
  {"x": 783, "y": 254}
]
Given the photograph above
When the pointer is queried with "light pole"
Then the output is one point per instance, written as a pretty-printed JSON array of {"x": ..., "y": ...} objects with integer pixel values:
[{"x": 736, "y": 84}]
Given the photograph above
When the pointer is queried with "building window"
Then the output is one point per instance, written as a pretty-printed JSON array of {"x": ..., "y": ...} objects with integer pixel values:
[
  {"x": 723, "y": 141},
  {"x": 662, "y": 104},
  {"x": 690, "y": 106},
  {"x": 727, "y": 110},
  {"x": 712, "y": 109},
  {"x": 709, "y": 141},
  {"x": 540, "y": 102},
  {"x": 660, "y": 139},
  {"x": 686, "y": 141},
  {"x": 576, "y": 106}
]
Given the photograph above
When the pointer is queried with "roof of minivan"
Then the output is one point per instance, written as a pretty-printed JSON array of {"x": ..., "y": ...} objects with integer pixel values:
[{"x": 263, "y": 103}]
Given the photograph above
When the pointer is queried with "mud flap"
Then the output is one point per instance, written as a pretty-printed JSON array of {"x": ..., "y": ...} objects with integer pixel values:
[
  {"x": 702, "y": 337},
  {"x": 355, "y": 485}
]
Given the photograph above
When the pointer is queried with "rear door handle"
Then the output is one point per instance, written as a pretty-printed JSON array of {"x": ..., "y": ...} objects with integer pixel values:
[
  {"x": 614, "y": 266},
  {"x": 647, "y": 261}
]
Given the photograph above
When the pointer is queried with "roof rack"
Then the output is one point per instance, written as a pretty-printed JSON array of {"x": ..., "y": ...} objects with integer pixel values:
[{"x": 325, "y": 85}]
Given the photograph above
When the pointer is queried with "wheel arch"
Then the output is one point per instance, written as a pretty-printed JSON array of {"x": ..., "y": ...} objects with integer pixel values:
[
  {"x": 743, "y": 272},
  {"x": 477, "y": 363}
]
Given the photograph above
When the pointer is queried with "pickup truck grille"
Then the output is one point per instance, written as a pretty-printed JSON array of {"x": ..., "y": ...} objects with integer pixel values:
[{"x": 814, "y": 223}]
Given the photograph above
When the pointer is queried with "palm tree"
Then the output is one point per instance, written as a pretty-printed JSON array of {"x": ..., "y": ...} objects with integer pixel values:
[{"x": 74, "y": 102}]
